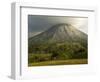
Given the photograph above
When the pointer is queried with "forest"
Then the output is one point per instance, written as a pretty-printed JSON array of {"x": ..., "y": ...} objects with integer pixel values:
[{"x": 56, "y": 51}]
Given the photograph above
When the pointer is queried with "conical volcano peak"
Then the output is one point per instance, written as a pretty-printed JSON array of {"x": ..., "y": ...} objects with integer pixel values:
[
  {"x": 62, "y": 28},
  {"x": 62, "y": 32},
  {"x": 62, "y": 25}
]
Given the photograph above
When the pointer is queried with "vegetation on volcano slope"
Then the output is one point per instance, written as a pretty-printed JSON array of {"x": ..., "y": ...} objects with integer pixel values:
[{"x": 56, "y": 51}]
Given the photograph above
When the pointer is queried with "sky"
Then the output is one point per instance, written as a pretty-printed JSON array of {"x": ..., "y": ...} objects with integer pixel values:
[{"x": 38, "y": 23}]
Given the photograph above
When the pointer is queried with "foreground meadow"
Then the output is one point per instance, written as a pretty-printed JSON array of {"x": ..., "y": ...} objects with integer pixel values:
[{"x": 59, "y": 62}]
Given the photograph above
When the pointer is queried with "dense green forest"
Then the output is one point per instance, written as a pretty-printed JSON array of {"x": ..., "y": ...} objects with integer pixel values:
[{"x": 57, "y": 51}]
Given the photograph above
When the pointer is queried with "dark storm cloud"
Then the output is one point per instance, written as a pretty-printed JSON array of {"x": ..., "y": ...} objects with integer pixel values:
[{"x": 39, "y": 23}]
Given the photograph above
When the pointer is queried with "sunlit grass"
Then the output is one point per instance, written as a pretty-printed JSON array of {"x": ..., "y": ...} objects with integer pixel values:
[{"x": 60, "y": 62}]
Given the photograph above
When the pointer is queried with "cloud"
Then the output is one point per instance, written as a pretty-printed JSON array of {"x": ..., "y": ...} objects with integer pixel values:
[{"x": 41, "y": 23}]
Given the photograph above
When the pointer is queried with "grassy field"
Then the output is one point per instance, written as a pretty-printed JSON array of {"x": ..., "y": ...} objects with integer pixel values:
[{"x": 60, "y": 62}]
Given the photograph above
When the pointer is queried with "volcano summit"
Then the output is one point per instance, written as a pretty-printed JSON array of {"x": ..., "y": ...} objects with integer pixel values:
[{"x": 59, "y": 33}]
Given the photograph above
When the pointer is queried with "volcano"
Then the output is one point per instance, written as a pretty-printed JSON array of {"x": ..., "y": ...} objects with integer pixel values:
[{"x": 59, "y": 33}]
